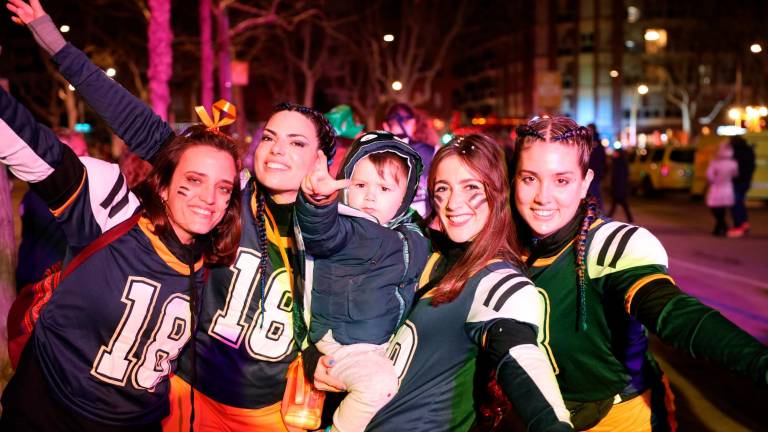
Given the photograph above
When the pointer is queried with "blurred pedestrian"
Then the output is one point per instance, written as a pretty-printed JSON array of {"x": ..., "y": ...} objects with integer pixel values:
[
  {"x": 597, "y": 161},
  {"x": 401, "y": 120},
  {"x": 745, "y": 158},
  {"x": 720, "y": 195},
  {"x": 620, "y": 184}
]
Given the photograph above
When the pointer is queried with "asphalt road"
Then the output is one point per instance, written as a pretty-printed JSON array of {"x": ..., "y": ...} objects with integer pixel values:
[{"x": 729, "y": 274}]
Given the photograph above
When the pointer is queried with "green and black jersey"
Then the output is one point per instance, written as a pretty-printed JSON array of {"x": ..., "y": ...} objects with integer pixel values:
[{"x": 593, "y": 364}]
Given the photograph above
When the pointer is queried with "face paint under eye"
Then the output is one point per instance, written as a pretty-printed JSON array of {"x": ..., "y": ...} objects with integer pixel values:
[
  {"x": 439, "y": 199},
  {"x": 183, "y": 191},
  {"x": 477, "y": 200}
]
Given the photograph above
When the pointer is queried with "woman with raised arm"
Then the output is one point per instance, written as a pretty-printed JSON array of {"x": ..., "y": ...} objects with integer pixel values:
[
  {"x": 251, "y": 324},
  {"x": 606, "y": 282},
  {"x": 128, "y": 298}
]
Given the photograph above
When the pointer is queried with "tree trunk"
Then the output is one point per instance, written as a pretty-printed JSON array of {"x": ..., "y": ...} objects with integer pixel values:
[
  {"x": 160, "y": 69},
  {"x": 223, "y": 46},
  {"x": 206, "y": 55},
  {"x": 7, "y": 271}
]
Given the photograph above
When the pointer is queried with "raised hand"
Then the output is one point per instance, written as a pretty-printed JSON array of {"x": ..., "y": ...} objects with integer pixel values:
[
  {"x": 318, "y": 183},
  {"x": 25, "y": 12}
]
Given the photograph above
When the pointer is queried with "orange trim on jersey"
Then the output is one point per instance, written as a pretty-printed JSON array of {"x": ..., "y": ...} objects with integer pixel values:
[
  {"x": 541, "y": 262},
  {"x": 57, "y": 212},
  {"x": 639, "y": 284},
  {"x": 147, "y": 228}
]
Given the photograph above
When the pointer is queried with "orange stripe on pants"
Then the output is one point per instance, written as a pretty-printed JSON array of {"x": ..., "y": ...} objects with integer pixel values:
[{"x": 213, "y": 416}]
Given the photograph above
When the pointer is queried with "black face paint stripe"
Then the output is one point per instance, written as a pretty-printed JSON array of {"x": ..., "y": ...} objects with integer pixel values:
[
  {"x": 439, "y": 199},
  {"x": 477, "y": 200},
  {"x": 183, "y": 191}
]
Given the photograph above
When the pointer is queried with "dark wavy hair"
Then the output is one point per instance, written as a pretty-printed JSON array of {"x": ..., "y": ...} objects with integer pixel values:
[
  {"x": 222, "y": 242},
  {"x": 326, "y": 135},
  {"x": 498, "y": 239}
]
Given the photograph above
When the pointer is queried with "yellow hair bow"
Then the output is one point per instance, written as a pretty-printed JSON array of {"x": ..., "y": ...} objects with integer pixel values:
[{"x": 221, "y": 106}]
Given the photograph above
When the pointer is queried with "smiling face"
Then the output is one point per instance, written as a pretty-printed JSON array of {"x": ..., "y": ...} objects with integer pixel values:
[
  {"x": 549, "y": 186},
  {"x": 377, "y": 192},
  {"x": 199, "y": 191},
  {"x": 460, "y": 199},
  {"x": 286, "y": 153}
]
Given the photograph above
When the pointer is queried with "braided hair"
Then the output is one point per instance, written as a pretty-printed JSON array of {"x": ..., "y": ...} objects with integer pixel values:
[
  {"x": 566, "y": 132},
  {"x": 261, "y": 231}
]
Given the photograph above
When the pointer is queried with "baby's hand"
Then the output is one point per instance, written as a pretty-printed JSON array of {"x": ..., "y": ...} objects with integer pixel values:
[
  {"x": 25, "y": 12},
  {"x": 318, "y": 183}
]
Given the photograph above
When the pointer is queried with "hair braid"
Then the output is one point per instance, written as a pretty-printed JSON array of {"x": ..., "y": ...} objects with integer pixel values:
[
  {"x": 261, "y": 230},
  {"x": 580, "y": 243}
]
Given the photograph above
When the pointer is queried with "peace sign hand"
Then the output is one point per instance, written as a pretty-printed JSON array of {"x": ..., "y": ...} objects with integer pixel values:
[{"x": 318, "y": 183}]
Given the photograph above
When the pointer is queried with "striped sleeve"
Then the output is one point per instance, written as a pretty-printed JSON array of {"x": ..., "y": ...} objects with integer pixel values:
[
  {"x": 617, "y": 246},
  {"x": 506, "y": 293},
  {"x": 505, "y": 316},
  {"x": 628, "y": 258},
  {"x": 87, "y": 196}
]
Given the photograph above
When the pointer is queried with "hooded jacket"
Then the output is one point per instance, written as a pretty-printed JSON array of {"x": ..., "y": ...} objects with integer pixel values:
[{"x": 360, "y": 276}]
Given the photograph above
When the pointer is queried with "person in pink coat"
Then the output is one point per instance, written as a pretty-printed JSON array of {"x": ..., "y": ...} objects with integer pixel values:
[{"x": 720, "y": 197}]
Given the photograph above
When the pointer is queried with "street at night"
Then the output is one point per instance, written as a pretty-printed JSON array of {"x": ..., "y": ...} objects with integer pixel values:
[{"x": 729, "y": 274}]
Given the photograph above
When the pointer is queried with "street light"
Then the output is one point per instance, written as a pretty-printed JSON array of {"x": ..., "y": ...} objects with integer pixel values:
[
  {"x": 397, "y": 85},
  {"x": 389, "y": 37},
  {"x": 613, "y": 73},
  {"x": 756, "y": 48},
  {"x": 64, "y": 29},
  {"x": 111, "y": 72},
  {"x": 652, "y": 35},
  {"x": 640, "y": 90}
]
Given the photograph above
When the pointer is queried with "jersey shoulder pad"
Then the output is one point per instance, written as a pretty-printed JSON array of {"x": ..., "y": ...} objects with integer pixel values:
[
  {"x": 111, "y": 201},
  {"x": 505, "y": 293},
  {"x": 617, "y": 246}
]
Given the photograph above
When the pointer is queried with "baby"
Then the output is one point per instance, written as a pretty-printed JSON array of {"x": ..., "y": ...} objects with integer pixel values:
[{"x": 365, "y": 262}]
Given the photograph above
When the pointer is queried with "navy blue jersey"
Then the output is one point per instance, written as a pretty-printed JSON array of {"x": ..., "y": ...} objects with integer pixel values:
[
  {"x": 243, "y": 352},
  {"x": 242, "y": 359},
  {"x": 109, "y": 335},
  {"x": 435, "y": 354}
]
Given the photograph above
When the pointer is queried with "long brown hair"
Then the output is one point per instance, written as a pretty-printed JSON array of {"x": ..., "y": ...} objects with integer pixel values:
[
  {"x": 498, "y": 239},
  {"x": 222, "y": 242}
]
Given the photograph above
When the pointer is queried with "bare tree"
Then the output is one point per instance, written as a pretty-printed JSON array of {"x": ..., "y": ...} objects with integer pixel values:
[
  {"x": 415, "y": 58},
  {"x": 206, "y": 53},
  {"x": 160, "y": 37}
]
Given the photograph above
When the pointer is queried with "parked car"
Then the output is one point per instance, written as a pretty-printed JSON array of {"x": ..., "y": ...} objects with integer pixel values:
[{"x": 661, "y": 168}]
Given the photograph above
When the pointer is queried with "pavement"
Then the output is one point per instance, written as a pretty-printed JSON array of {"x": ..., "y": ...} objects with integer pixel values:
[{"x": 728, "y": 274}]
